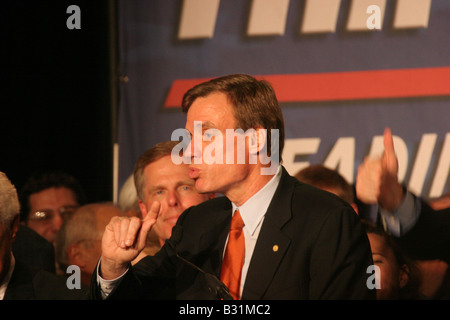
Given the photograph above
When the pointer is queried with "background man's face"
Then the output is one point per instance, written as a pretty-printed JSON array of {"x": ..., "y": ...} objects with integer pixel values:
[{"x": 170, "y": 185}]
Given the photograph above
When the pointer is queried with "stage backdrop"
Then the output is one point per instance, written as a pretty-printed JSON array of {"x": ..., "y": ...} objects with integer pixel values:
[{"x": 342, "y": 70}]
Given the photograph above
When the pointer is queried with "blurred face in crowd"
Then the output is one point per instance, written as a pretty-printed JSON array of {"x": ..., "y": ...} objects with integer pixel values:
[
  {"x": 170, "y": 185},
  {"x": 392, "y": 277},
  {"x": 86, "y": 252},
  {"x": 47, "y": 210}
]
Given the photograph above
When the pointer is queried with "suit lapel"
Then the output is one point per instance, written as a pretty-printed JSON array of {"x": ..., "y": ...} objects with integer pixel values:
[
  {"x": 272, "y": 243},
  {"x": 213, "y": 240}
]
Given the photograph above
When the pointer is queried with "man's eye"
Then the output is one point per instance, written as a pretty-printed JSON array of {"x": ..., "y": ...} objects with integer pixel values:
[{"x": 41, "y": 215}]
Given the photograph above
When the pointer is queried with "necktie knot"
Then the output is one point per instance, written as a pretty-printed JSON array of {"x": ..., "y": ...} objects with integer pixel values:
[{"x": 236, "y": 221}]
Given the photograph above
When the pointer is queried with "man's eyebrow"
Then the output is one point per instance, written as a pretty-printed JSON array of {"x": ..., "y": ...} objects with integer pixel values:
[
  {"x": 189, "y": 182},
  {"x": 206, "y": 125},
  {"x": 155, "y": 187}
]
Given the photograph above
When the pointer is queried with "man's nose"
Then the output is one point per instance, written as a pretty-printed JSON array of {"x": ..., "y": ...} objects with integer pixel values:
[{"x": 172, "y": 199}]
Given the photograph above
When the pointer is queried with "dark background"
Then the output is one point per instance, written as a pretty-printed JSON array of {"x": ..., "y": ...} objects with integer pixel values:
[{"x": 58, "y": 106}]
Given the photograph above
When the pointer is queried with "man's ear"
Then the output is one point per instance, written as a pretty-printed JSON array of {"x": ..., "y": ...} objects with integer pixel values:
[
  {"x": 257, "y": 140},
  {"x": 76, "y": 256},
  {"x": 403, "y": 276},
  {"x": 14, "y": 228},
  {"x": 143, "y": 208}
]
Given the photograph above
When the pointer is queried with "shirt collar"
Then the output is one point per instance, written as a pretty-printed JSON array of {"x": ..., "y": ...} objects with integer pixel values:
[{"x": 254, "y": 209}]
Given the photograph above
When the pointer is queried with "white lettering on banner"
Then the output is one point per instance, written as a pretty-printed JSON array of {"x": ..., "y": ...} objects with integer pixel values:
[
  {"x": 198, "y": 17},
  {"x": 320, "y": 16},
  {"x": 342, "y": 158},
  {"x": 422, "y": 163},
  {"x": 298, "y": 146},
  {"x": 358, "y": 19},
  {"x": 267, "y": 17},
  {"x": 412, "y": 14}
]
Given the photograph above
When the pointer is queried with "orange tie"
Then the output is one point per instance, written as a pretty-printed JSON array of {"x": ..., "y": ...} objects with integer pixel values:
[{"x": 234, "y": 257}]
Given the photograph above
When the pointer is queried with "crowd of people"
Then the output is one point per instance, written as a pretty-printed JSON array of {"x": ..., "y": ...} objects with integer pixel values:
[{"x": 201, "y": 230}]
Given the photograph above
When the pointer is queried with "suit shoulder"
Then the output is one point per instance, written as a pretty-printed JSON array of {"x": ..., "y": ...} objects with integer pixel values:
[
  {"x": 320, "y": 201},
  {"x": 205, "y": 211},
  {"x": 219, "y": 203}
]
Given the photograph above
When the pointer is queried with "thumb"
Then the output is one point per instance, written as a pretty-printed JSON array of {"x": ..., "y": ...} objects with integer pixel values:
[{"x": 390, "y": 162}]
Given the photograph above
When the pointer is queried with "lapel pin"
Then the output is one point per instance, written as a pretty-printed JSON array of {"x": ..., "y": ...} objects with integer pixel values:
[{"x": 275, "y": 248}]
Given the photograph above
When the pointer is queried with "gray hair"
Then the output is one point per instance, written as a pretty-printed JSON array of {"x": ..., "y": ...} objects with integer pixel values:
[
  {"x": 9, "y": 201},
  {"x": 80, "y": 226}
]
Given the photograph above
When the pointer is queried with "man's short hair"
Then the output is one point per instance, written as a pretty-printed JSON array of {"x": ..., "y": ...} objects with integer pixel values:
[
  {"x": 153, "y": 154},
  {"x": 254, "y": 101}
]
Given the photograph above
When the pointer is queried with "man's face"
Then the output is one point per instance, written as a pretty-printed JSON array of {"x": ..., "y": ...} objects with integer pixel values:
[
  {"x": 47, "y": 210},
  {"x": 214, "y": 112},
  {"x": 170, "y": 185}
]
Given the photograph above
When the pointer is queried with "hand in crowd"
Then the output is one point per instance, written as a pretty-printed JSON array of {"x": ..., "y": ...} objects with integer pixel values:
[
  {"x": 377, "y": 179},
  {"x": 124, "y": 238}
]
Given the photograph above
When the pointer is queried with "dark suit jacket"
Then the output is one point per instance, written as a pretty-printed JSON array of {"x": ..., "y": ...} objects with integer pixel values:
[
  {"x": 36, "y": 284},
  {"x": 430, "y": 236},
  {"x": 32, "y": 249},
  {"x": 323, "y": 252}
]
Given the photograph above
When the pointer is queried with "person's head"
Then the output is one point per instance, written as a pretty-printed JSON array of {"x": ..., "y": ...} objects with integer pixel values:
[
  {"x": 128, "y": 200},
  {"x": 329, "y": 180},
  {"x": 233, "y": 102},
  {"x": 399, "y": 276},
  {"x": 9, "y": 222},
  {"x": 79, "y": 239},
  {"x": 157, "y": 178},
  {"x": 46, "y": 198}
]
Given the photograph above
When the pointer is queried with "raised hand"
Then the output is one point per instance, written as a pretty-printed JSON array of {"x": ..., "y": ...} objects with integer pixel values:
[
  {"x": 377, "y": 178},
  {"x": 124, "y": 238}
]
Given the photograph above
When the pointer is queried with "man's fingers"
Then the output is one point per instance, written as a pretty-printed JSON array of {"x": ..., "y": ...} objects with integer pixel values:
[
  {"x": 133, "y": 228},
  {"x": 125, "y": 230},
  {"x": 153, "y": 213},
  {"x": 148, "y": 222}
]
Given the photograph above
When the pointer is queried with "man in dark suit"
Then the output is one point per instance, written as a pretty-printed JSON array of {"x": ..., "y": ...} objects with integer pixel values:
[
  {"x": 17, "y": 280},
  {"x": 300, "y": 242}
]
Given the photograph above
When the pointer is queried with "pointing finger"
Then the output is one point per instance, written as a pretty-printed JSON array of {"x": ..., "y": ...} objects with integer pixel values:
[
  {"x": 148, "y": 222},
  {"x": 153, "y": 213}
]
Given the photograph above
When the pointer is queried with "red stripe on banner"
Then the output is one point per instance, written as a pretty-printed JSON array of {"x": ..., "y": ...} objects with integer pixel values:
[{"x": 355, "y": 85}]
